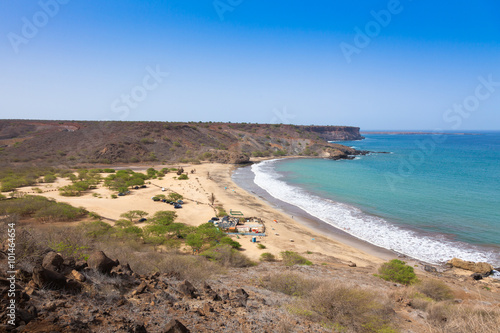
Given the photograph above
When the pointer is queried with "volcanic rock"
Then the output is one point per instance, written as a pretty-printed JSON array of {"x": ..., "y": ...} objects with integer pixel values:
[
  {"x": 100, "y": 262},
  {"x": 477, "y": 267}
]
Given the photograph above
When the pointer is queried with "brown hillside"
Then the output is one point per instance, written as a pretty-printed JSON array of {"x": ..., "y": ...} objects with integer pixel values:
[{"x": 72, "y": 142}]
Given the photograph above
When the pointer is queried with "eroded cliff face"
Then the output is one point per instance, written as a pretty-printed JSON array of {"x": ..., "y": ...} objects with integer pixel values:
[{"x": 337, "y": 133}]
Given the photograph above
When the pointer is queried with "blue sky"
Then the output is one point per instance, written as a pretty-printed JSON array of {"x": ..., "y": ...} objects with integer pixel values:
[{"x": 374, "y": 64}]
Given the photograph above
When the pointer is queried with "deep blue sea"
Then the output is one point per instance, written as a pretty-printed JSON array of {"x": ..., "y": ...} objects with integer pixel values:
[{"x": 432, "y": 197}]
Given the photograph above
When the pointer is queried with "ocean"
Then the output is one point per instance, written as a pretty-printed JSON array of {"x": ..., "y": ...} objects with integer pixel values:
[{"x": 431, "y": 197}]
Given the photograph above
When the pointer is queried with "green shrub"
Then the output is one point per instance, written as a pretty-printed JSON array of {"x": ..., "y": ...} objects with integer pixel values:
[
  {"x": 261, "y": 246},
  {"x": 397, "y": 271},
  {"x": 175, "y": 196},
  {"x": 96, "y": 229},
  {"x": 183, "y": 177},
  {"x": 229, "y": 241},
  {"x": 266, "y": 256},
  {"x": 41, "y": 208},
  {"x": 114, "y": 196},
  {"x": 50, "y": 178},
  {"x": 291, "y": 258},
  {"x": 221, "y": 211}
]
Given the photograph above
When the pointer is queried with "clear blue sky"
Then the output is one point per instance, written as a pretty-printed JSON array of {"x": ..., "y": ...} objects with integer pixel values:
[{"x": 300, "y": 62}]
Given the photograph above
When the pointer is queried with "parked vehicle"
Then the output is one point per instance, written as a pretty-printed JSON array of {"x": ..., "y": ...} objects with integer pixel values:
[
  {"x": 176, "y": 205},
  {"x": 142, "y": 220}
]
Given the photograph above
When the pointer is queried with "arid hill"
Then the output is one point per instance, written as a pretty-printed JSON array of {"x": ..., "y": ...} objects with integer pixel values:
[{"x": 73, "y": 142}]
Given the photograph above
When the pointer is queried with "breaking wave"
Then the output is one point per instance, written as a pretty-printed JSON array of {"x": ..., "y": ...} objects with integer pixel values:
[{"x": 435, "y": 249}]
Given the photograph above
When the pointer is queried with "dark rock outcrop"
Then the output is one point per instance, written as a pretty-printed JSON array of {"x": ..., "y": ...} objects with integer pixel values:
[
  {"x": 100, "y": 262},
  {"x": 53, "y": 261},
  {"x": 175, "y": 326},
  {"x": 186, "y": 288}
]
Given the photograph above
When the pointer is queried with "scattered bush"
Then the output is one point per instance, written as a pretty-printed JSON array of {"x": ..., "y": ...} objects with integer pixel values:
[
  {"x": 290, "y": 283},
  {"x": 175, "y": 196},
  {"x": 227, "y": 256},
  {"x": 133, "y": 214},
  {"x": 261, "y": 246},
  {"x": 96, "y": 229},
  {"x": 41, "y": 208},
  {"x": 183, "y": 177},
  {"x": 266, "y": 256},
  {"x": 50, "y": 178},
  {"x": 291, "y": 258},
  {"x": 349, "y": 309},
  {"x": 435, "y": 289},
  {"x": 397, "y": 271},
  {"x": 221, "y": 211}
]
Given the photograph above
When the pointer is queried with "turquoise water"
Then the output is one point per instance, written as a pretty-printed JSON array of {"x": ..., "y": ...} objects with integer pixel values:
[{"x": 432, "y": 197}]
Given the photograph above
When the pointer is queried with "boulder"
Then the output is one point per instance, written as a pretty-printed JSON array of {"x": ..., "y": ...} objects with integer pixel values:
[
  {"x": 430, "y": 269},
  {"x": 100, "y": 262},
  {"x": 46, "y": 278},
  {"x": 78, "y": 276},
  {"x": 186, "y": 288},
  {"x": 175, "y": 326},
  {"x": 477, "y": 276},
  {"x": 121, "y": 270},
  {"x": 241, "y": 297},
  {"x": 476, "y": 267},
  {"x": 52, "y": 261}
]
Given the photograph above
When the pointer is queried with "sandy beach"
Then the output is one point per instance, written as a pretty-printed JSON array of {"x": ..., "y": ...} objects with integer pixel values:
[{"x": 293, "y": 233}]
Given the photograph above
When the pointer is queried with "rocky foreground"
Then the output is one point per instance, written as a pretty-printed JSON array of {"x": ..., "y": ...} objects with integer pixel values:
[{"x": 104, "y": 295}]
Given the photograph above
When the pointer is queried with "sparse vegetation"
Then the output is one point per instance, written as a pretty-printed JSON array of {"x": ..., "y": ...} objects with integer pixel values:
[
  {"x": 290, "y": 283},
  {"x": 41, "y": 208},
  {"x": 347, "y": 309},
  {"x": 221, "y": 211},
  {"x": 434, "y": 289},
  {"x": 291, "y": 258},
  {"x": 266, "y": 256}
]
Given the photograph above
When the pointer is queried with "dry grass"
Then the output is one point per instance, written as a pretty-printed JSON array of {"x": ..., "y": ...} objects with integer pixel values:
[
  {"x": 290, "y": 283},
  {"x": 447, "y": 318},
  {"x": 435, "y": 289},
  {"x": 347, "y": 308}
]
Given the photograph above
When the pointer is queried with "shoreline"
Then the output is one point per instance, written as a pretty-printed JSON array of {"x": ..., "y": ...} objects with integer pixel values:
[
  {"x": 296, "y": 230},
  {"x": 314, "y": 223},
  {"x": 331, "y": 231}
]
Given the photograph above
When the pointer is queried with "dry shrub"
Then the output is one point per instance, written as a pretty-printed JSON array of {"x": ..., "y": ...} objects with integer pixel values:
[
  {"x": 350, "y": 309},
  {"x": 462, "y": 318},
  {"x": 227, "y": 256},
  {"x": 421, "y": 302},
  {"x": 290, "y": 283},
  {"x": 435, "y": 289},
  {"x": 196, "y": 269}
]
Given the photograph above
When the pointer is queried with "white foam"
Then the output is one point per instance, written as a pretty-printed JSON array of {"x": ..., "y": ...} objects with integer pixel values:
[{"x": 369, "y": 228}]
